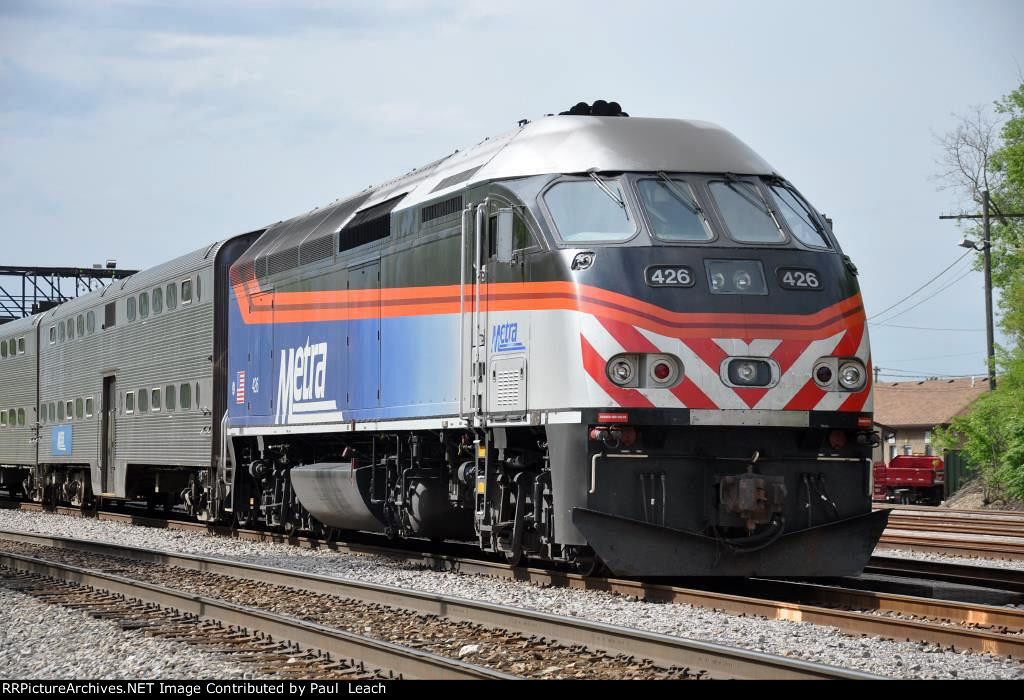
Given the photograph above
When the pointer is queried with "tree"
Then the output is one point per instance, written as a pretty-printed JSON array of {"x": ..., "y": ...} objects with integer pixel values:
[{"x": 985, "y": 152}]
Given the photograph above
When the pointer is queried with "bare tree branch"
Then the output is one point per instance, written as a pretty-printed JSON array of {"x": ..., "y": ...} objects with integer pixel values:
[{"x": 966, "y": 153}]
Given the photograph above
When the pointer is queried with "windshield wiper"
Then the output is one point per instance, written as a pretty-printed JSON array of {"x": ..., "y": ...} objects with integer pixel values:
[
  {"x": 759, "y": 203},
  {"x": 687, "y": 200},
  {"x": 606, "y": 189},
  {"x": 807, "y": 212}
]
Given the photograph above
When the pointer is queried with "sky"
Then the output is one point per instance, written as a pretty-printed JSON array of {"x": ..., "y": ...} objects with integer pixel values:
[{"x": 142, "y": 130}]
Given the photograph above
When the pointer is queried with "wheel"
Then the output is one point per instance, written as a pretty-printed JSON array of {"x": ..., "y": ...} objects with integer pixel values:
[
  {"x": 589, "y": 564},
  {"x": 516, "y": 559}
]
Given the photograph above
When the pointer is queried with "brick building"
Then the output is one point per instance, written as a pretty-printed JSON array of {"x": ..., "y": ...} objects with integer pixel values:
[{"x": 907, "y": 413}]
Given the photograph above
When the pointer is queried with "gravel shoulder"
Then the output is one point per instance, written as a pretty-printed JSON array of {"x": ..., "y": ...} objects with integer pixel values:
[
  {"x": 39, "y": 641},
  {"x": 794, "y": 639},
  {"x": 1014, "y": 564}
]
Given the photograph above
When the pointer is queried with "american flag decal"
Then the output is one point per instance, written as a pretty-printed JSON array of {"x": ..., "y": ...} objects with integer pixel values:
[{"x": 240, "y": 388}]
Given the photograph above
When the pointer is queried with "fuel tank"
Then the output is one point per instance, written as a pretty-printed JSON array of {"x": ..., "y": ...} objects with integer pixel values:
[{"x": 337, "y": 494}]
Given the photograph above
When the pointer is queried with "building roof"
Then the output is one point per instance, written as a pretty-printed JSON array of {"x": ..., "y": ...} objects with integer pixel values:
[{"x": 925, "y": 403}]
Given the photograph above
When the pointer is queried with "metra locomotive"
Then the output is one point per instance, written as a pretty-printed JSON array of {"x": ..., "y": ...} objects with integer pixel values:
[{"x": 596, "y": 339}]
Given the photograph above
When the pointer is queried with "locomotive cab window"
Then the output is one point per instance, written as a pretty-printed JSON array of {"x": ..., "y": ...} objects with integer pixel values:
[
  {"x": 673, "y": 211},
  {"x": 799, "y": 217},
  {"x": 590, "y": 210},
  {"x": 745, "y": 212}
]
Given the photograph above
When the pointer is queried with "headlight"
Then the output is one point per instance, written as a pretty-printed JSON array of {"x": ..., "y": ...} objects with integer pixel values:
[
  {"x": 735, "y": 276},
  {"x": 622, "y": 369},
  {"x": 749, "y": 372},
  {"x": 851, "y": 375}
]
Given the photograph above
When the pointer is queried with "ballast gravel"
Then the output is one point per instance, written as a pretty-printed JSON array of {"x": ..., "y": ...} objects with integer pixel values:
[
  {"x": 821, "y": 644},
  {"x": 1015, "y": 564},
  {"x": 39, "y": 641}
]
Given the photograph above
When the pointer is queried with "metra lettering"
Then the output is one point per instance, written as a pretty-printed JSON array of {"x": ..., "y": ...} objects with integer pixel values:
[
  {"x": 303, "y": 377},
  {"x": 505, "y": 337}
]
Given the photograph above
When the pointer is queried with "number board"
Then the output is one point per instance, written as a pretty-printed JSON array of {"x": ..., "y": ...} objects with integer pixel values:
[
  {"x": 801, "y": 279},
  {"x": 669, "y": 276}
]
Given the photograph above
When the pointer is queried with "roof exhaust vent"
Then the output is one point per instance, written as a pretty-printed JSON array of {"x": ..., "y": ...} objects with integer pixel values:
[{"x": 600, "y": 108}]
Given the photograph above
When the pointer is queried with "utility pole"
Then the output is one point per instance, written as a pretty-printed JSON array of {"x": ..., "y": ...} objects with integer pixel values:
[{"x": 986, "y": 250}]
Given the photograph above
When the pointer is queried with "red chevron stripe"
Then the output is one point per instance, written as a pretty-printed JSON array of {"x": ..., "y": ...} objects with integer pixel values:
[{"x": 594, "y": 364}]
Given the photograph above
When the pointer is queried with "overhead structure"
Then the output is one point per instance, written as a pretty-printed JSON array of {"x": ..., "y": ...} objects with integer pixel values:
[{"x": 30, "y": 290}]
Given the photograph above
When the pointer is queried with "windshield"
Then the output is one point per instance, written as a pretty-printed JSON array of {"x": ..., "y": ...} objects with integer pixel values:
[
  {"x": 798, "y": 215},
  {"x": 672, "y": 210},
  {"x": 744, "y": 212},
  {"x": 583, "y": 211}
]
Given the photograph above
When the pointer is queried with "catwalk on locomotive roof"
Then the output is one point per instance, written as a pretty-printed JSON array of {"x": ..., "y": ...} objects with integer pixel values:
[{"x": 618, "y": 342}]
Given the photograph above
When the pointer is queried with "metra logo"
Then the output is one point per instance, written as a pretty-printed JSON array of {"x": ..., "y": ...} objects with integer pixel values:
[
  {"x": 302, "y": 384},
  {"x": 505, "y": 338}
]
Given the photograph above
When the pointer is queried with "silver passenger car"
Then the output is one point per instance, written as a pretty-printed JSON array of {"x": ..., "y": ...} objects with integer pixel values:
[
  {"x": 18, "y": 388},
  {"x": 132, "y": 384}
]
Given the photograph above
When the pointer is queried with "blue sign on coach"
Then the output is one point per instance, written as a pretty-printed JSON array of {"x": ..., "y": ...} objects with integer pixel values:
[{"x": 60, "y": 440}]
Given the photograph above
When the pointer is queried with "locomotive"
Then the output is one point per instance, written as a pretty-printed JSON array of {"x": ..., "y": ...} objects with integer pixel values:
[{"x": 623, "y": 343}]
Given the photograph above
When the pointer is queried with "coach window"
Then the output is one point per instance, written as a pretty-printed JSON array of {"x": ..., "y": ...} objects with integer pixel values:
[
  {"x": 144, "y": 305},
  {"x": 14, "y": 345},
  {"x": 156, "y": 400},
  {"x": 60, "y": 411},
  {"x": 186, "y": 292},
  {"x": 130, "y": 308},
  {"x": 88, "y": 407},
  {"x": 185, "y": 394},
  {"x": 68, "y": 405},
  {"x": 746, "y": 214},
  {"x": 42, "y": 414},
  {"x": 158, "y": 301},
  {"x": 21, "y": 346},
  {"x": 90, "y": 322},
  {"x": 3, "y": 348},
  {"x": 143, "y": 400},
  {"x": 129, "y": 402},
  {"x": 198, "y": 402},
  {"x": 53, "y": 411},
  {"x": 80, "y": 324},
  {"x": 21, "y": 417},
  {"x": 169, "y": 397},
  {"x": 3, "y": 419},
  {"x": 71, "y": 329},
  {"x": 63, "y": 332},
  {"x": 110, "y": 315},
  {"x": 79, "y": 409},
  {"x": 199, "y": 287},
  {"x": 172, "y": 296},
  {"x": 53, "y": 334}
]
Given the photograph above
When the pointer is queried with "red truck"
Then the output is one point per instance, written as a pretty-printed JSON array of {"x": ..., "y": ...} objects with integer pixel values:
[{"x": 918, "y": 479}]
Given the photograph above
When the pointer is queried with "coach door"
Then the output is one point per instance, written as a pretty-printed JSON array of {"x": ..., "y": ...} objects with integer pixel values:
[
  {"x": 109, "y": 432},
  {"x": 363, "y": 366}
]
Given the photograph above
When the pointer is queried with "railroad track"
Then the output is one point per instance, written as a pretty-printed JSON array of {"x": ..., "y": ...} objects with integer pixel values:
[
  {"x": 981, "y": 628},
  {"x": 673, "y": 653}
]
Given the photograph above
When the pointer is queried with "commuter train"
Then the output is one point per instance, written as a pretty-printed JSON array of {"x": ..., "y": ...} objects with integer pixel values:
[{"x": 623, "y": 343}]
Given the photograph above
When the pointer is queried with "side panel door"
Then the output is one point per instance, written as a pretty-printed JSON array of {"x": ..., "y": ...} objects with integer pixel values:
[
  {"x": 109, "y": 445},
  {"x": 363, "y": 338},
  {"x": 255, "y": 388}
]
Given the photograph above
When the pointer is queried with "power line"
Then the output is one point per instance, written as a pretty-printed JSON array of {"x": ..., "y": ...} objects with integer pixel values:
[
  {"x": 944, "y": 271},
  {"x": 924, "y": 328},
  {"x": 928, "y": 298}
]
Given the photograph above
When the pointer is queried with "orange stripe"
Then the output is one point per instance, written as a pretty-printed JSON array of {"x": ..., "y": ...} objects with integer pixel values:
[{"x": 340, "y": 305}]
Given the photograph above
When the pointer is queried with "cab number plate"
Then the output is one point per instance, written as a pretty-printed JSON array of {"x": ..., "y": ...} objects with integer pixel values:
[{"x": 669, "y": 276}]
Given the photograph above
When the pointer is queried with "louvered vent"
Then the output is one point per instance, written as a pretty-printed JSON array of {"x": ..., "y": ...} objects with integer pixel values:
[
  {"x": 507, "y": 395},
  {"x": 456, "y": 178},
  {"x": 368, "y": 225},
  {"x": 282, "y": 260},
  {"x": 243, "y": 272},
  {"x": 320, "y": 248},
  {"x": 445, "y": 208}
]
